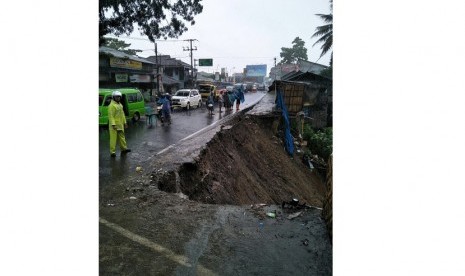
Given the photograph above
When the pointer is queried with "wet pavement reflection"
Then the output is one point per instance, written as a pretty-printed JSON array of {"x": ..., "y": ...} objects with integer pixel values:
[{"x": 146, "y": 141}]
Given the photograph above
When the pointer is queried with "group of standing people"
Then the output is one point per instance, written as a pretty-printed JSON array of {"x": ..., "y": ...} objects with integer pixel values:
[
  {"x": 228, "y": 98},
  {"x": 117, "y": 119}
]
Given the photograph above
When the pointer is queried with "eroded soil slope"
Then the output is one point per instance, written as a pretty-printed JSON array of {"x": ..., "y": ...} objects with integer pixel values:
[{"x": 246, "y": 163}]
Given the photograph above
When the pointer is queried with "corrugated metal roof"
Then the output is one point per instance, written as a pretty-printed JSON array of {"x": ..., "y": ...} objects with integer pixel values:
[
  {"x": 168, "y": 61},
  {"x": 308, "y": 66},
  {"x": 119, "y": 54}
]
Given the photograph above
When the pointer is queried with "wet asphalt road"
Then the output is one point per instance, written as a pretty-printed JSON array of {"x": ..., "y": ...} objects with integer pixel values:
[{"x": 145, "y": 142}]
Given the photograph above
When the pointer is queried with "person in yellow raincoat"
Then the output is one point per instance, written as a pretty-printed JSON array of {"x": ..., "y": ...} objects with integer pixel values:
[{"x": 117, "y": 124}]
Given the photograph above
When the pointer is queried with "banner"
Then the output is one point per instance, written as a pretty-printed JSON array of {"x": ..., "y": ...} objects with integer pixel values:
[
  {"x": 256, "y": 70},
  {"x": 139, "y": 78},
  {"x": 121, "y": 77},
  {"x": 125, "y": 63}
]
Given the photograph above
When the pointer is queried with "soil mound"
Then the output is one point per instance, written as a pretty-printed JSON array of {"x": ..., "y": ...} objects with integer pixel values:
[{"x": 245, "y": 163}]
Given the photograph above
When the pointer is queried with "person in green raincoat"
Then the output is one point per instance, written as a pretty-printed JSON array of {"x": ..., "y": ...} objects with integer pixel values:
[{"x": 117, "y": 124}]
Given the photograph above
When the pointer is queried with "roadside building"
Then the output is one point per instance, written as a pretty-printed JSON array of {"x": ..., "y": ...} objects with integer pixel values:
[
  {"x": 278, "y": 71},
  {"x": 174, "y": 73},
  {"x": 118, "y": 69},
  {"x": 309, "y": 94}
]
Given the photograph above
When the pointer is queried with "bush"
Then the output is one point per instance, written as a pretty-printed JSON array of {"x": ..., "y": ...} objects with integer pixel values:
[{"x": 320, "y": 142}]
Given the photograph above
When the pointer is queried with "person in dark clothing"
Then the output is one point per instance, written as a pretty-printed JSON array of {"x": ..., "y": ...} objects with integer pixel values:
[
  {"x": 221, "y": 100},
  {"x": 210, "y": 103},
  {"x": 165, "y": 108},
  {"x": 227, "y": 100},
  {"x": 239, "y": 96}
]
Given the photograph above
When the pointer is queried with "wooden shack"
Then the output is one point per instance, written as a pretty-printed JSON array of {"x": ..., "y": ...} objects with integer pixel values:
[{"x": 309, "y": 93}]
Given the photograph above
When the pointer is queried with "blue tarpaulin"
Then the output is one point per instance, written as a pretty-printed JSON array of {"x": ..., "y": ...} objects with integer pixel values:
[{"x": 288, "y": 139}]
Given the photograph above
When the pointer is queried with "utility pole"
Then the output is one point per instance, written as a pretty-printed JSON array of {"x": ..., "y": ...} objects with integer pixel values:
[
  {"x": 157, "y": 65},
  {"x": 192, "y": 61}
]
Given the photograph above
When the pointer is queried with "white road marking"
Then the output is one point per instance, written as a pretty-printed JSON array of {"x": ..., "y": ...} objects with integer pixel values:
[
  {"x": 165, "y": 149},
  {"x": 195, "y": 133},
  {"x": 182, "y": 260}
]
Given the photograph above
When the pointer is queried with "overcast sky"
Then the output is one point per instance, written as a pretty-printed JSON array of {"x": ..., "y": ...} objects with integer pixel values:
[{"x": 236, "y": 33}]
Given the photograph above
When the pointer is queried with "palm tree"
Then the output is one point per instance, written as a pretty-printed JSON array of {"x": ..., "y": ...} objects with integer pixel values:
[{"x": 325, "y": 33}]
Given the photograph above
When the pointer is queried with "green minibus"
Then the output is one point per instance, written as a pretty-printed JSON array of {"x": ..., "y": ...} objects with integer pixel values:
[{"x": 132, "y": 101}]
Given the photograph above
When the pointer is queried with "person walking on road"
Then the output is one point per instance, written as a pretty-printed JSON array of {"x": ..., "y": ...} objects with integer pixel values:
[
  {"x": 221, "y": 100},
  {"x": 228, "y": 102},
  {"x": 117, "y": 124},
  {"x": 239, "y": 97}
]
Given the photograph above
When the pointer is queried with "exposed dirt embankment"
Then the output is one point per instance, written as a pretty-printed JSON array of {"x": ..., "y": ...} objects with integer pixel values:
[{"x": 245, "y": 163}]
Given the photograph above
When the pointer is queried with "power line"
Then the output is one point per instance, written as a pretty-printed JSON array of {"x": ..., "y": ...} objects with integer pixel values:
[
  {"x": 245, "y": 57},
  {"x": 145, "y": 39}
]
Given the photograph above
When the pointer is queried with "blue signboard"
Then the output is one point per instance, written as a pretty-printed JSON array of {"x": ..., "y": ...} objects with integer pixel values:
[{"x": 256, "y": 70}]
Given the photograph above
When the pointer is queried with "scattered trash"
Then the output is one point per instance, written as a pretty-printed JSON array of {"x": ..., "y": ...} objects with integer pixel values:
[
  {"x": 111, "y": 204},
  {"x": 314, "y": 207},
  {"x": 291, "y": 216},
  {"x": 134, "y": 189},
  {"x": 133, "y": 197},
  {"x": 271, "y": 214},
  {"x": 294, "y": 204},
  {"x": 253, "y": 206},
  {"x": 181, "y": 195},
  {"x": 138, "y": 169},
  {"x": 305, "y": 242}
]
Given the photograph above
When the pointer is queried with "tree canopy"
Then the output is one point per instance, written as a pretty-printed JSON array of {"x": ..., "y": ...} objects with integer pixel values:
[
  {"x": 120, "y": 46},
  {"x": 119, "y": 17},
  {"x": 291, "y": 55},
  {"x": 325, "y": 32}
]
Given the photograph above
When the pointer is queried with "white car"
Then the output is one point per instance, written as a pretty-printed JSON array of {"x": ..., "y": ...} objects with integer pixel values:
[{"x": 186, "y": 98}]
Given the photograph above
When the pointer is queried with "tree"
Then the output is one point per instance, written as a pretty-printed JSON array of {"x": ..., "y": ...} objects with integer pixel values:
[
  {"x": 328, "y": 72},
  {"x": 119, "y": 16},
  {"x": 120, "y": 46},
  {"x": 291, "y": 55},
  {"x": 325, "y": 33}
]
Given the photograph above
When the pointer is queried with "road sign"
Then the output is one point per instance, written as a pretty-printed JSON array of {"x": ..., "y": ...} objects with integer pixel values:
[{"x": 205, "y": 62}]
